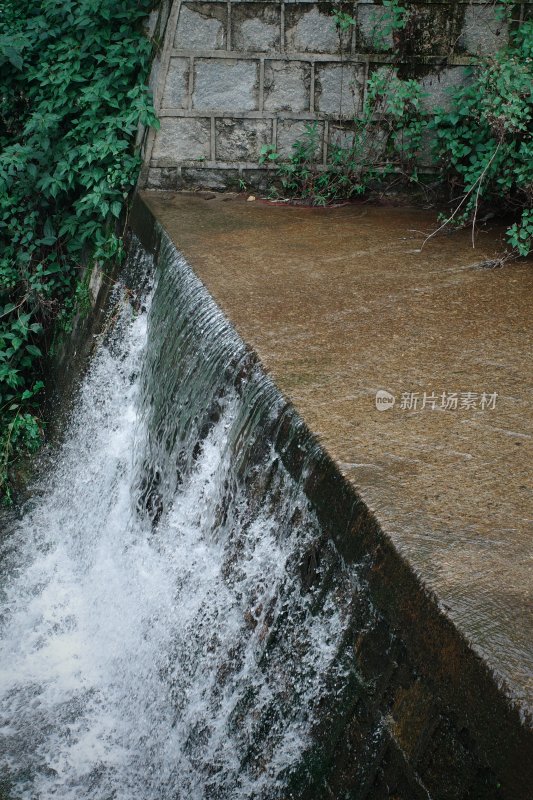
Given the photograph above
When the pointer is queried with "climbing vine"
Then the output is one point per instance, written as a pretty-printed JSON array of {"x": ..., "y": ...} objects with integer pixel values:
[{"x": 72, "y": 95}]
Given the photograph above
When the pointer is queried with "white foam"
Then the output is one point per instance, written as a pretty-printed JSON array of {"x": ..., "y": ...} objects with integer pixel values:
[{"x": 136, "y": 659}]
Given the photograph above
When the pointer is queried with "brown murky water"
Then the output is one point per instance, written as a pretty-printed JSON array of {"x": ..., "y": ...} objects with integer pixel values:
[{"x": 342, "y": 303}]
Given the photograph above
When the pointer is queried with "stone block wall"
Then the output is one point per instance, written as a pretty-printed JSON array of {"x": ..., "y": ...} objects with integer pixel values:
[{"x": 234, "y": 75}]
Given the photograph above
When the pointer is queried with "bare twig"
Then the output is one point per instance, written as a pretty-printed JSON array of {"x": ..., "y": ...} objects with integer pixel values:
[
  {"x": 5, "y": 314},
  {"x": 478, "y": 191},
  {"x": 477, "y": 183}
]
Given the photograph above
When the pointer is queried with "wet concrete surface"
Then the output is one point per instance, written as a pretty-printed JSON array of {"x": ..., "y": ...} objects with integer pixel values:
[{"x": 342, "y": 303}]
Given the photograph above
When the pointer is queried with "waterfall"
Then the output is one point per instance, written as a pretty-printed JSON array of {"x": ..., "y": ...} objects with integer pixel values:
[{"x": 175, "y": 624}]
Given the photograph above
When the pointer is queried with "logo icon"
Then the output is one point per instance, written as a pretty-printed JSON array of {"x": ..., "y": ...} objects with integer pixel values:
[{"x": 384, "y": 400}]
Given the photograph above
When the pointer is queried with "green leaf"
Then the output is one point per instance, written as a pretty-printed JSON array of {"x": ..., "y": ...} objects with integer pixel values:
[{"x": 13, "y": 56}]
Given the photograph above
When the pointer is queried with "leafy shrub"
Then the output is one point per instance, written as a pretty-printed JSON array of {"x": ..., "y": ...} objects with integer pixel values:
[
  {"x": 485, "y": 143},
  {"x": 72, "y": 94}
]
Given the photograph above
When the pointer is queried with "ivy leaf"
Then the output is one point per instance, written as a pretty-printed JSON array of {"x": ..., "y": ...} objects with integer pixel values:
[{"x": 13, "y": 56}]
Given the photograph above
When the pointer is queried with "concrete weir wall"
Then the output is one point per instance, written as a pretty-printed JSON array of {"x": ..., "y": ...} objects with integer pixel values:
[
  {"x": 234, "y": 75},
  {"x": 424, "y": 716}
]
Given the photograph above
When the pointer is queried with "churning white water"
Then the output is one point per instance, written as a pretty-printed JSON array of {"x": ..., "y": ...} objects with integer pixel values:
[{"x": 159, "y": 639}]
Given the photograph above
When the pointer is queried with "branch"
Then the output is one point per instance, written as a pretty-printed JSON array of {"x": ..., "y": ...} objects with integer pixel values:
[{"x": 477, "y": 183}]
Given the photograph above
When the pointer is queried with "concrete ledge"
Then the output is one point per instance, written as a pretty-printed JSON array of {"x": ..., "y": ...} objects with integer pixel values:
[{"x": 451, "y": 727}]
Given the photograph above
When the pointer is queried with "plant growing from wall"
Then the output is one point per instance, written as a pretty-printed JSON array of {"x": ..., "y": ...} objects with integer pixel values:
[
  {"x": 485, "y": 143},
  {"x": 72, "y": 94},
  {"x": 393, "y": 18},
  {"x": 384, "y": 138}
]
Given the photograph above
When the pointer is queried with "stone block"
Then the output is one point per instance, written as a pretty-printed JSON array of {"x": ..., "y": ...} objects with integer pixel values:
[
  {"x": 209, "y": 178},
  {"x": 255, "y": 27},
  {"x": 373, "y": 35},
  {"x": 168, "y": 179},
  {"x": 287, "y": 85},
  {"x": 340, "y": 136},
  {"x": 291, "y": 130},
  {"x": 338, "y": 89},
  {"x": 241, "y": 139},
  {"x": 430, "y": 30},
  {"x": 368, "y": 147},
  {"x": 440, "y": 85},
  {"x": 180, "y": 139},
  {"x": 483, "y": 33},
  {"x": 310, "y": 29},
  {"x": 202, "y": 26},
  {"x": 177, "y": 84},
  {"x": 259, "y": 179},
  {"x": 226, "y": 85}
]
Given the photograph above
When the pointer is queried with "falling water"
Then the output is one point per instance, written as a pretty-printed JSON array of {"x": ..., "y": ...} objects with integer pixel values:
[{"x": 168, "y": 631}]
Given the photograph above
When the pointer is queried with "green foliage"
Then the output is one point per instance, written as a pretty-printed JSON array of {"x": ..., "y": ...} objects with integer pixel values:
[
  {"x": 394, "y": 19},
  {"x": 485, "y": 143},
  {"x": 300, "y": 177},
  {"x": 520, "y": 234},
  {"x": 342, "y": 20},
  {"x": 72, "y": 94},
  {"x": 384, "y": 139}
]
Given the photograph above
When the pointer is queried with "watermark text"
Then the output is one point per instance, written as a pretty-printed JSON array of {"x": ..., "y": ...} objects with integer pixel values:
[{"x": 433, "y": 401}]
